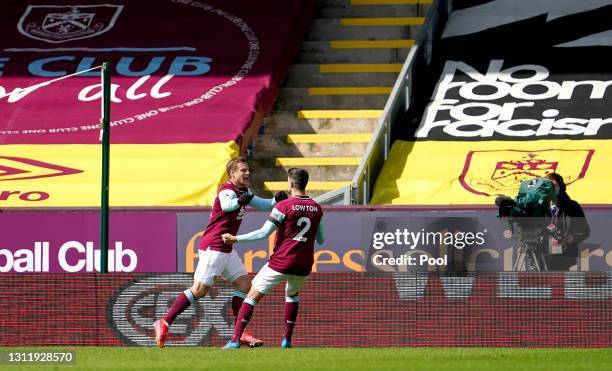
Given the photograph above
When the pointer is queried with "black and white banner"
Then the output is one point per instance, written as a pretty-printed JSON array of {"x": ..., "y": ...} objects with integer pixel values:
[{"x": 522, "y": 70}]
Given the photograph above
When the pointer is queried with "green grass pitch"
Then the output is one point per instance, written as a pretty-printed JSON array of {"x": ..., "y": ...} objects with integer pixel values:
[{"x": 268, "y": 358}]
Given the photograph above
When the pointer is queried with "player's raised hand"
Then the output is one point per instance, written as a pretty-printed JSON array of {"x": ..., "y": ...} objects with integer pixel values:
[
  {"x": 228, "y": 238},
  {"x": 282, "y": 195}
]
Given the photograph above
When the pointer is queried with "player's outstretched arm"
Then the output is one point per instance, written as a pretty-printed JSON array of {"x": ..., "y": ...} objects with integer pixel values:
[
  {"x": 263, "y": 204},
  {"x": 320, "y": 237},
  {"x": 264, "y": 232},
  {"x": 268, "y": 203}
]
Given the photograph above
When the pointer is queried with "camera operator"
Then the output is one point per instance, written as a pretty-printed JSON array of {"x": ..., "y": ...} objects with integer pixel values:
[
  {"x": 569, "y": 220},
  {"x": 550, "y": 225}
]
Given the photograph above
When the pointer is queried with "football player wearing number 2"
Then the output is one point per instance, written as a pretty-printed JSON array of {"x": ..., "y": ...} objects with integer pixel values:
[{"x": 298, "y": 220}]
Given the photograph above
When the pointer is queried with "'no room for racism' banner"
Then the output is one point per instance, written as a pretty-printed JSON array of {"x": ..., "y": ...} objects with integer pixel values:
[{"x": 522, "y": 91}]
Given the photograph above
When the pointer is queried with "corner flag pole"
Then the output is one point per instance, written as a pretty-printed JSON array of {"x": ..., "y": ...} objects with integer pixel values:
[{"x": 105, "y": 134}]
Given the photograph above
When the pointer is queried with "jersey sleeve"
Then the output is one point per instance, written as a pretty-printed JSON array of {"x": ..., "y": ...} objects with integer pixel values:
[
  {"x": 264, "y": 232},
  {"x": 228, "y": 200},
  {"x": 277, "y": 215},
  {"x": 262, "y": 203}
]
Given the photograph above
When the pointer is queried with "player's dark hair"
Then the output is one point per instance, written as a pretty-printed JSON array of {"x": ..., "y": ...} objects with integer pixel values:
[
  {"x": 232, "y": 164},
  {"x": 299, "y": 177}
]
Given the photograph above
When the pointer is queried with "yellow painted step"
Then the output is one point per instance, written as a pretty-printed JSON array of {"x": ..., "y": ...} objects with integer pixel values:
[
  {"x": 391, "y": 21},
  {"x": 312, "y": 186},
  {"x": 360, "y": 67},
  {"x": 339, "y": 114},
  {"x": 317, "y": 161},
  {"x": 371, "y": 44},
  {"x": 351, "y": 90},
  {"x": 329, "y": 138},
  {"x": 390, "y": 2}
]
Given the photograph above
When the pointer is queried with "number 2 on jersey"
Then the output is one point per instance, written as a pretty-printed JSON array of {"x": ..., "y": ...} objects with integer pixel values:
[{"x": 300, "y": 235}]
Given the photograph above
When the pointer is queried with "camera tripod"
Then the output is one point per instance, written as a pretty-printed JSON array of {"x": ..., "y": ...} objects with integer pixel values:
[{"x": 533, "y": 245}]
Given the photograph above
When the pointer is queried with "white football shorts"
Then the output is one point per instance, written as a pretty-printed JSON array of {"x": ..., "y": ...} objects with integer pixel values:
[
  {"x": 213, "y": 263},
  {"x": 267, "y": 278}
]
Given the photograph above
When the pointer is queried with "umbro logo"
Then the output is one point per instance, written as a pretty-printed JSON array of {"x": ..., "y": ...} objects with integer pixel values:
[{"x": 20, "y": 168}]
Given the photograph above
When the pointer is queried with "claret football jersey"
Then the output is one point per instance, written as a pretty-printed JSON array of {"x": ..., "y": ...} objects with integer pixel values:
[
  {"x": 221, "y": 222},
  {"x": 297, "y": 219}
]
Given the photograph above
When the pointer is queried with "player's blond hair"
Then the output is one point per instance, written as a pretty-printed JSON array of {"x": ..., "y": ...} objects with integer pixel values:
[{"x": 232, "y": 164}]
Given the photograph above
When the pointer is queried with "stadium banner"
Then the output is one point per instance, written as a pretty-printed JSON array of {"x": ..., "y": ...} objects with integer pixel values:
[
  {"x": 206, "y": 85},
  {"x": 69, "y": 242},
  {"x": 531, "y": 71},
  {"x": 517, "y": 101},
  {"x": 341, "y": 252},
  {"x": 407, "y": 309},
  {"x": 201, "y": 83},
  {"x": 475, "y": 172},
  {"x": 140, "y": 175},
  {"x": 480, "y": 242}
]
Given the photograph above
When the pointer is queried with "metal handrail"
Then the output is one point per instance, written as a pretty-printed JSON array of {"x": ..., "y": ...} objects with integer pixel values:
[
  {"x": 397, "y": 104},
  {"x": 361, "y": 184}
]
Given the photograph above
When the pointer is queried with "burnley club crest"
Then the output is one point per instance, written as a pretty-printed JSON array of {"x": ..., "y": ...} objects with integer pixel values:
[{"x": 57, "y": 24}]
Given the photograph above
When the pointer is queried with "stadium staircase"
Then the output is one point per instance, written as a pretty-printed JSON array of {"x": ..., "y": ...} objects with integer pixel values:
[{"x": 334, "y": 93}]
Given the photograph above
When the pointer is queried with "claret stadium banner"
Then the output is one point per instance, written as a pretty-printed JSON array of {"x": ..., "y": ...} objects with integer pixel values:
[
  {"x": 69, "y": 242},
  {"x": 522, "y": 90},
  {"x": 383, "y": 240},
  {"x": 339, "y": 253},
  {"x": 190, "y": 83}
]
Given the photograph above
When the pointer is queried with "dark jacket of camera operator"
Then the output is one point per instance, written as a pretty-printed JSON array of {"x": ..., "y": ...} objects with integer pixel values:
[{"x": 570, "y": 220}]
